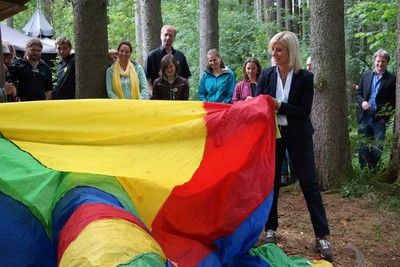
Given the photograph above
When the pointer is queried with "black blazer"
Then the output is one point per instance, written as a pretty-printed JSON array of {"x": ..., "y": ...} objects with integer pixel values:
[
  {"x": 298, "y": 108},
  {"x": 386, "y": 93}
]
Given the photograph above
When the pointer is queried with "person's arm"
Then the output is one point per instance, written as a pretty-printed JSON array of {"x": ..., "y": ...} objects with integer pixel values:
[
  {"x": 359, "y": 95},
  {"x": 186, "y": 90},
  {"x": 202, "y": 88},
  {"x": 231, "y": 87},
  {"x": 49, "y": 95},
  {"x": 236, "y": 94},
  {"x": 109, "y": 87},
  {"x": 156, "y": 91},
  {"x": 261, "y": 83},
  {"x": 49, "y": 85},
  {"x": 142, "y": 82},
  {"x": 184, "y": 68},
  {"x": 149, "y": 89}
]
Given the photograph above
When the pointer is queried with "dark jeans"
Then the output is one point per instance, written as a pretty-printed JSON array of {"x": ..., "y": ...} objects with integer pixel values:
[
  {"x": 371, "y": 148},
  {"x": 302, "y": 157}
]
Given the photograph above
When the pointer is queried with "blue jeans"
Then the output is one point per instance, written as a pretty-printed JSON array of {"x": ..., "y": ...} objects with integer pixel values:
[{"x": 370, "y": 148}]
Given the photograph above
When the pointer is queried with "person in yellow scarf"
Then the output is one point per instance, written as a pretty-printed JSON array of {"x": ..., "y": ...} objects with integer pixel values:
[{"x": 126, "y": 79}]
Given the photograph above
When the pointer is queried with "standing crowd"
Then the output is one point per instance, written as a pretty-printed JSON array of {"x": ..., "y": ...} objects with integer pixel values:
[{"x": 165, "y": 76}]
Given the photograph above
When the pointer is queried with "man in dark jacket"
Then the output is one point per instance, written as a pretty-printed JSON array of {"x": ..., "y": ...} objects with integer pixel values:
[
  {"x": 152, "y": 65},
  {"x": 376, "y": 98},
  {"x": 31, "y": 75},
  {"x": 65, "y": 86}
]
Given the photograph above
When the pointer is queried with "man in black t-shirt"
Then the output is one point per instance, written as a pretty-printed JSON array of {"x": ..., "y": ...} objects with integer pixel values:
[{"x": 152, "y": 65}]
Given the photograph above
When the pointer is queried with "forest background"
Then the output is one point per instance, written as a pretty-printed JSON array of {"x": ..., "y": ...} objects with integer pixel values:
[{"x": 245, "y": 28}]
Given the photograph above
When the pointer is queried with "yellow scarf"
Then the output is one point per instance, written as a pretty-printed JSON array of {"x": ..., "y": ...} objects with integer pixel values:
[{"x": 116, "y": 80}]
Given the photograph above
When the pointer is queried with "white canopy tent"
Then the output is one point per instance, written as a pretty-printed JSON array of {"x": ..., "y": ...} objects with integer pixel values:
[{"x": 19, "y": 40}]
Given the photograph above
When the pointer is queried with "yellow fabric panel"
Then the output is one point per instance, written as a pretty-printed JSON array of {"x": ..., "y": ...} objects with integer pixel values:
[
  {"x": 118, "y": 241},
  {"x": 157, "y": 144}
]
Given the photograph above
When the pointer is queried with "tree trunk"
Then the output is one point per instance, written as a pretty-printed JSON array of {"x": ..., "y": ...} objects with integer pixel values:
[
  {"x": 296, "y": 14},
  {"x": 269, "y": 11},
  {"x": 10, "y": 22},
  {"x": 47, "y": 9},
  {"x": 304, "y": 19},
  {"x": 151, "y": 25},
  {"x": 258, "y": 7},
  {"x": 396, "y": 155},
  {"x": 209, "y": 29},
  {"x": 139, "y": 33},
  {"x": 329, "y": 113},
  {"x": 246, "y": 6},
  {"x": 288, "y": 15},
  {"x": 280, "y": 7},
  {"x": 90, "y": 47}
]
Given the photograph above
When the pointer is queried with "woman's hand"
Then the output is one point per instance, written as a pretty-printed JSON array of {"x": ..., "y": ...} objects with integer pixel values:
[{"x": 277, "y": 103}]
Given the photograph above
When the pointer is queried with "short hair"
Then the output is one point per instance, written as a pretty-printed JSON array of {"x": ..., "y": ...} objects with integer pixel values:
[
  {"x": 168, "y": 58},
  {"x": 112, "y": 52},
  {"x": 255, "y": 61},
  {"x": 168, "y": 27},
  {"x": 215, "y": 52},
  {"x": 382, "y": 53},
  {"x": 291, "y": 42},
  {"x": 34, "y": 41},
  {"x": 63, "y": 40},
  {"x": 127, "y": 43}
]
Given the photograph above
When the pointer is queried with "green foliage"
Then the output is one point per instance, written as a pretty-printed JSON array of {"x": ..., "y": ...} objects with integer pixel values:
[
  {"x": 241, "y": 36},
  {"x": 374, "y": 24},
  {"x": 188, "y": 35},
  {"x": 22, "y": 18},
  {"x": 121, "y": 25},
  {"x": 62, "y": 19},
  {"x": 356, "y": 188}
]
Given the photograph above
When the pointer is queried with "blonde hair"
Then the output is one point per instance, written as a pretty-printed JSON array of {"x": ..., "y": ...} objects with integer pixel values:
[
  {"x": 168, "y": 27},
  {"x": 291, "y": 42}
]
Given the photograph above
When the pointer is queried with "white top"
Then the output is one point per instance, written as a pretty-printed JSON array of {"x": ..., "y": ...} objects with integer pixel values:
[{"x": 282, "y": 94}]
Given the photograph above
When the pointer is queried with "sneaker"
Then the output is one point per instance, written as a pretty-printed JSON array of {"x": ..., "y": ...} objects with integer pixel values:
[
  {"x": 270, "y": 237},
  {"x": 324, "y": 248}
]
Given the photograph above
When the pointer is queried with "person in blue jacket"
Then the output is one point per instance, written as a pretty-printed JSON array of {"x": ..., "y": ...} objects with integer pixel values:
[{"x": 217, "y": 82}]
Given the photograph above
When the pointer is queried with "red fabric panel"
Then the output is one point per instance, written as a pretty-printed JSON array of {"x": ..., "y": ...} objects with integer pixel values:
[
  {"x": 235, "y": 176},
  {"x": 87, "y": 214}
]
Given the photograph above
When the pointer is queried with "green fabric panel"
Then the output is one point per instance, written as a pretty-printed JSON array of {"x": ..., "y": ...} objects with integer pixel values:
[
  {"x": 105, "y": 183},
  {"x": 145, "y": 260},
  {"x": 277, "y": 258},
  {"x": 23, "y": 178}
]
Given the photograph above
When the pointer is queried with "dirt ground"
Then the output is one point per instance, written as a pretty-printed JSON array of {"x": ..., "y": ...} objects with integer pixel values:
[{"x": 360, "y": 234}]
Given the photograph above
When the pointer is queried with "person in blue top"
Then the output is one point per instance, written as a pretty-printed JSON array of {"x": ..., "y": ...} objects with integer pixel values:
[
  {"x": 217, "y": 82},
  {"x": 376, "y": 97}
]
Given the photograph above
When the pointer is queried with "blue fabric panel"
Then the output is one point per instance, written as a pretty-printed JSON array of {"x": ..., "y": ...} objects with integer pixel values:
[
  {"x": 23, "y": 239},
  {"x": 72, "y": 200},
  {"x": 236, "y": 245}
]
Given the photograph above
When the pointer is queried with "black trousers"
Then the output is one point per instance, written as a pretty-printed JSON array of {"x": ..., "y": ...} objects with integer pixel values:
[{"x": 302, "y": 156}]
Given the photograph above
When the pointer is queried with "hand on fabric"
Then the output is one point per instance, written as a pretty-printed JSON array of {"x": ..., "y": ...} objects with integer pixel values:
[{"x": 277, "y": 104}]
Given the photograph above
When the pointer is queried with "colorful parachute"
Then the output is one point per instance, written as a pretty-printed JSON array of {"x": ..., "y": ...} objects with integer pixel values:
[{"x": 134, "y": 183}]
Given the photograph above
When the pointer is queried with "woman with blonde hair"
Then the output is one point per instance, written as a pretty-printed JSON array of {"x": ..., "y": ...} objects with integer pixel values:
[
  {"x": 292, "y": 89},
  {"x": 126, "y": 79}
]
